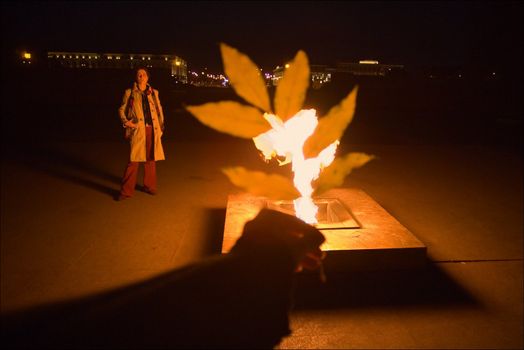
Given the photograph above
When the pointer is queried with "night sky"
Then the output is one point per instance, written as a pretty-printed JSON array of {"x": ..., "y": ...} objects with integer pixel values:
[{"x": 409, "y": 33}]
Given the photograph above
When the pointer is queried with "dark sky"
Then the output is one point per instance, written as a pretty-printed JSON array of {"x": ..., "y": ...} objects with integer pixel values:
[{"x": 411, "y": 33}]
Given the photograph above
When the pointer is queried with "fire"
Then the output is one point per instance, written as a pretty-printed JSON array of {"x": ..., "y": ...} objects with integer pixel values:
[
  {"x": 296, "y": 135},
  {"x": 287, "y": 140}
]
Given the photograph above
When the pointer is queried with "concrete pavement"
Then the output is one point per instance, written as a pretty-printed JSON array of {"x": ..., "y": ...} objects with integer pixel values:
[{"x": 63, "y": 236}]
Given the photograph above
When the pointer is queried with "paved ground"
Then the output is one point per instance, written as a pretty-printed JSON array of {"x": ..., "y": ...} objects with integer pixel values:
[{"x": 64, "y": 236}]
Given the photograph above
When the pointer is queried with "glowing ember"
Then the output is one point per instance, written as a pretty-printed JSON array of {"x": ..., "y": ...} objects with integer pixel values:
[{"x": 287, "y": 140}]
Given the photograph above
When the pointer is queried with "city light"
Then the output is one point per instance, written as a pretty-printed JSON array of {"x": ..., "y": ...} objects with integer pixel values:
[{"x": 27, "y": 55}]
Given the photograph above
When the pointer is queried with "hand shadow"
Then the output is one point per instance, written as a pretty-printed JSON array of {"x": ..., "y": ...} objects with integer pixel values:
[
  {"x": 238, "y": 300},
  {"x": 429, "y": 287}
]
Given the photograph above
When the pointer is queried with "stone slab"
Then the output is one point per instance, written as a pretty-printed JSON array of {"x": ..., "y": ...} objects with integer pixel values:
[{"x": 378, "y": 242}]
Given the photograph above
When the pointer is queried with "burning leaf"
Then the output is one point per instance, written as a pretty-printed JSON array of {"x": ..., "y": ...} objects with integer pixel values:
[
  {"x": 332, "y": 126},
  {"x": 272, "y": 186},
  {"x": 291, "y": 90},
  {"x": 232, "y": 118},
  {"x": 245, "y": 77},
  {"x": 308, "y": 143},
  {"x": 334, "y": 175}
]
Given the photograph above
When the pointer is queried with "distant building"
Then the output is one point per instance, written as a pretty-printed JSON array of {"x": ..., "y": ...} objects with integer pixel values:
[
  {"x": 26, "y": 57},
  {"x": 93, "y": 60},
  {"x": 367, "y": 67},
  {"x": 321, "y": 74}
]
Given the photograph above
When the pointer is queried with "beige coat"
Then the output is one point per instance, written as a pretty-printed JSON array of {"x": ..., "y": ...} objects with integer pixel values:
[{"x": 138, "y": 140}]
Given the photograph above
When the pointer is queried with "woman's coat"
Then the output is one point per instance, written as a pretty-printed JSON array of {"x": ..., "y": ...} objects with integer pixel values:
[{"x": 134, "y": 111}]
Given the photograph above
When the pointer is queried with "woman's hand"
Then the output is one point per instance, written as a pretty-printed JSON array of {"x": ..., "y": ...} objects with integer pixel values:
[{"x": 130, "y": 124}]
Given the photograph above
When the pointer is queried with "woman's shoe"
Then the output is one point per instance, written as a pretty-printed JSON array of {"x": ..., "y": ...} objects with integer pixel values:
[
  {"x": 121, "y": 197},
  {"x": 149, "y": 191}
]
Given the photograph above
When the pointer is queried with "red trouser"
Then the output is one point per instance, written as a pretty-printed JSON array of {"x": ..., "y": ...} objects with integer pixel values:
[{"x": 130, "y": 175}]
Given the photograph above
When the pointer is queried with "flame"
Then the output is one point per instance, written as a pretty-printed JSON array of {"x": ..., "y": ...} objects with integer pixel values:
[{"x": 286, "y": 139}]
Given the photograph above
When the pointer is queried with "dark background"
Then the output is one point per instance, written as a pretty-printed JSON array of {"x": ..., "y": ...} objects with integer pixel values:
[
  {"x": 487, "y": 33},
  {"x": 444, "y": 39}
]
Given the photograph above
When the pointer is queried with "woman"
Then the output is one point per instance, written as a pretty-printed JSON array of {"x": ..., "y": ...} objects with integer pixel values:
[{"x": 142, "y": 117}]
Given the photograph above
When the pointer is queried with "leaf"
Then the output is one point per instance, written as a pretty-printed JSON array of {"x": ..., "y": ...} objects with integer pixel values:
[
  {"x": 331, "y": 127},
  {"x": 291, "y": 90},
  {"x": 334, "y": 175},
  {"x": 272, "y": 186},
  {"x": 245, "y": 77},
  {"x": 231, "y": 118}
]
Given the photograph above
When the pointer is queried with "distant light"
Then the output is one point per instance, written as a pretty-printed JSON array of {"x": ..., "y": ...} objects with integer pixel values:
[
  {"x": 131, "y": 57},
  {"x": 493, "y": 73},
  {"x": 143, "y": 58},
  {"x": 287, "y": 65},
  {"x": 149, "y": 58},
  {"x": 368, "y": 62},
  {"x": 27, "y": 55},
  {"x": 460, "y": 75},
  {"x": 165, "y": 58},
  {"x": 177, "y": 63}
]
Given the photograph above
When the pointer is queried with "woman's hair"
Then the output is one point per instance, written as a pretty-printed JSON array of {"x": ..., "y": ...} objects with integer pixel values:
[{"x": 144, "y": 69}]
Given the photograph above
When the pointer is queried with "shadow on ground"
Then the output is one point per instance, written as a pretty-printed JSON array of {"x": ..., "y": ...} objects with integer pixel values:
[
  {"x": 60, "y": 164},
  {"x": 214, "y": 230},
  {"x": 368, "y": 289},
  {"x": 231, "y": 301},
  {"x": 430, "y": 286}
]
